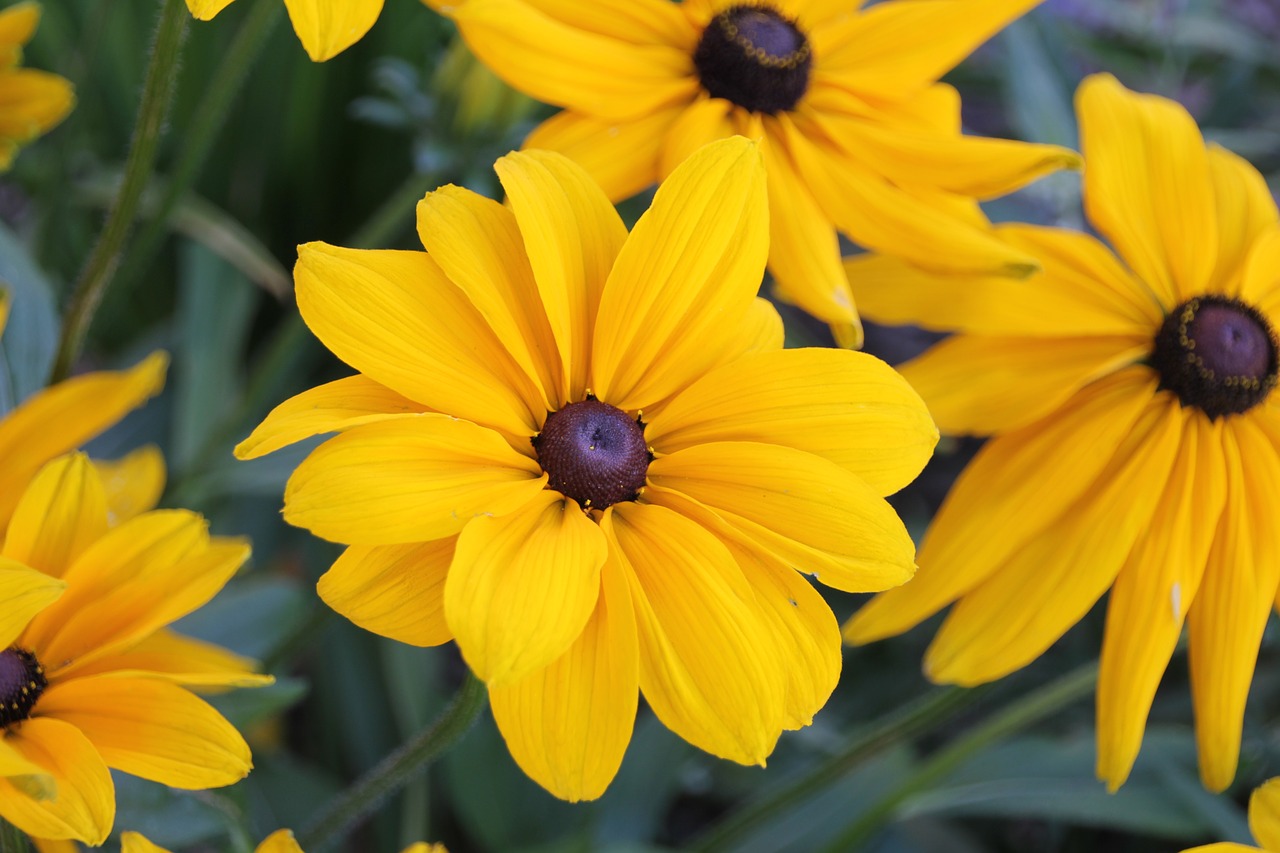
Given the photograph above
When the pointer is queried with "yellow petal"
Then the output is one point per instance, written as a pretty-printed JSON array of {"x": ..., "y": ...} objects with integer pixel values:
[
  {"x": 17, "y": 25},
  {"x": 1264, "y": 814},
  {"x": 700, "y": 123},
  {"x": 46, "y": 845},
  {"x": 24, "y": 592},
  {"x": 409, "y": 480},
  {"x": 981, "y": 385},
  {"x": 395, "y": 591},
  {"x": 63, "y": 417},
  {"x": 205, "y": 10},
  {"x": 849, "y": 408},
  {"x": 568, "y": 725},
  {"x": 12, "y": 763},
  {"x": 1153, "y": 592},
  {"x": 703, "y": 669},
  {"x": 994, "y": 507},
  {"x": 521, "y": 588},
  {"x": 326, "y": 28},
  {"x": 1261, "y": 282},
  {"x": 332, "y": 407},
  {"x": 814, "y": 515},
  {"x": 183, "y": 660},
  {"x": 1224, "y": 847},
  {"x": 133, "y": 483},
  {"x": 280, "y": 841},
  {"x": 654, "y": 22},
  {"x": 133, "y": 842},
  {"x": 32, "y": 102},
  {"x": 396, "y": 317},
  {"x": 85, "y": 805},
  {"x": 476, "y": 241},
  {"x": 567, "y": 65},
  {"x": 1231, "y": 611},
  {"x": 761, "y": 330},
  {"x": 1147, "y": 186},
  {"x": 1245, "y": 208},
  {"x": 1049, "y": 583},
  {"x": 685, "y": 277},
  {"x": 572, "y": 235},
  {"x": 620, "y": 156},
  {"x": 152, "y": 729},
  {"x": 62, "y": 513}
]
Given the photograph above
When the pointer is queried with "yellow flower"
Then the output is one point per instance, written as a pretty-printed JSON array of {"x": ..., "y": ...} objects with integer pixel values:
[
  {"x": 325, "y": 27},
  {"x": 90, "y": 676},
  {"x": 583, "y": 455},
  {"x": 31, "y": 102},
  {"x": 280, "y": 841},
  {"x": 857, "y": 134},
  {"x": 1264, "y": 823},
  {"x": 1136, "y": 433}
]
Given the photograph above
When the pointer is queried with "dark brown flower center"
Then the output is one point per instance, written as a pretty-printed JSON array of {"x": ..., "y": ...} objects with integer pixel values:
[
  {"x": 751, "y": 55},
  {"x": 593, "y": 453},
  {"x": 1217, "y": 354},
  {"x": 21, "y": 683}
]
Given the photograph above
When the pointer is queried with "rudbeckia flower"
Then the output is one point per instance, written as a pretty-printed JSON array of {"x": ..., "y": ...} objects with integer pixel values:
[
  {"x": 90, "y": 676},
  {"x": 1135, "y": 432},
  {"x": 584, "y": 456},
  {"x": 31, "y": 102},
  {"x": 1264, "y": 823},
  {"x": 280, "y": 841},
  {"x": 857, "y": 134},
  {"x": 325, "y": 27}
]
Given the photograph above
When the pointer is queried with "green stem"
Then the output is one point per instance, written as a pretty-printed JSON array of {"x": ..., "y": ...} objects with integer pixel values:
[
  {"x": 100, "y": 268},
  {"x": 899, "y": 725},
  {"x": 1033, "y": 707},
  {"x": 336, "y": 818},
  {"x": 12, "y": 839}
]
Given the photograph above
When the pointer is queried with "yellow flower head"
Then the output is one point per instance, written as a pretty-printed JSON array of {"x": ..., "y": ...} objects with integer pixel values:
[
  {"x": 280, "y": 841},
  {"x": 31, "y": 102},
  {"x": 857, "y": 134},
  {"x": 325, "y": 27},
  {"x": 90, "y": 676},
  {"x": 1264, "y": 823},
  {"x": 584, "y": 456},
  {"x": 1136, "y": 432}
]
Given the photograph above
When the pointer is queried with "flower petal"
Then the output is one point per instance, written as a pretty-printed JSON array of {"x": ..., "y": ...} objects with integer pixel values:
[
  {"x": 620, "y": 156},
  {"x": 849, "y": 408},
  {"x": 133, "y": 842},
  {"x": 1245, "y": 208},
  {"x": 62, "y": 513},
  {"x": 152, "y": 729},
  {"x": 395, "y": 591},
  {"x": 205, "y": 10},
  {"x": 568, "y": 725},
  {"x": 280, "y": 841},
  {"x": 326, "y": 28},
  {"x": 700, "y": 123},
  {"x": 408, "y": 480},
  {"x": 32, "y": 102},
  {"x": 85, "y": 805},
  {"x": 24, "y": 592},
  {"x": 18, "y": 24},
  {"x": 133, "y": 483},
  {"x": 1261, "y": 282},
  {"x": 332, "y": 407},
  {"x": 634, "y": 21},
  {"x": 684, "y": 279},
  {"x": 522, "y": 588},
  {"x": 1264, "y": 814},
  {"x": 703, "y": 668},
  {"x": 182, "y": 660},
  {"x": 572, "y": 235}
]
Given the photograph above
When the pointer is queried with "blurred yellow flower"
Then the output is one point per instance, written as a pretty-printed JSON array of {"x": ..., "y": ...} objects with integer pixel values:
[
  {"x": 31, "y": 102},
  {"x": 280, "y": 841},
  {"x": 857, "y": 134},
  {"x": 1264, "y": 823},
  {"x": 1136, "y": 432},
  {"x": 584, "y": 455},
  {"x": 325, "y": 27},
  {"x": 90, "y": 676}
]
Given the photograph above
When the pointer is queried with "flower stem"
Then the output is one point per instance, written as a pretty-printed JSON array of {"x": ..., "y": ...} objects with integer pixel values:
[
  {"x": 332, "y": 822},
  {"x": 899, "y": 725},
  {"x": 1033, "y": 707},
  {"x": 100, "y": 268},
  {"x": 12, "y": 839}
]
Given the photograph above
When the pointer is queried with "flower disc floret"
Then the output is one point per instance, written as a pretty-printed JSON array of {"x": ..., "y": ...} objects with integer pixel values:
[
  {"x": 22, "y": 680},
  {"x": 594, "y": 453},
  {"x": 753, "y": 56}
]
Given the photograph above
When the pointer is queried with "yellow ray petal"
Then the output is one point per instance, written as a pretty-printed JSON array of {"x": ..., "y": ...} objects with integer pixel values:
[
  {"x": 567, "y": 65},
  {"x": 761, "y": 330},
  {"x": 994, "y": 507},
  {"x": 396, "y": 317},
  {"x": 572, "y": 235},
  {"x": 85, "y": 805},
  {"x": 152, "y": 729},
  {"x": 1147, "y": 186},
  {"x": 63, "y": 417},
  {"x": 568, "y": 725},
  {"x": 522, "y": 588},
  {"x": 183, "y": 660},
  {"x": 205, "y": 10},
  {"x": 24, "y": 592},
  {"x": 1224, "y": 847},
  {"x": 849, "y": 408},
  {"x": 13, "y": 763},
  {"x": 815, "y": 13},
  {"x": 656, "y": 22},
  {"x": 621, "y": 156},
  {"x": 685, "y": 277},
  {"x": 1260, "y": 285},
  {"x": 62, "y": 512},
  {"x": 814, "y": 515},
  {"x": 476, "y": 241},
  {"x": 1153, "y": 592},
  {"x": 133, "y": 483},
  {"x": 326, "y": 28},
  {"x": 1264, "y": 814},
  {"x": 1227, "y": 618},
  {"x": 32, "y": 102},
  {"x": 980, "y": 385},
  {"x": 1245, "y": 208},
  {"x": 280, "y": 841},
  {"x": 1048, "y": 584},
  {"x": 700, "y": 123},
  {"x": 17, "y": 25},
  {"x": 133, "y": 842},
  {"x": 703, "y": 669},
  {"x": 395, "y": 591},
  {"x": 408, "y": 481}
]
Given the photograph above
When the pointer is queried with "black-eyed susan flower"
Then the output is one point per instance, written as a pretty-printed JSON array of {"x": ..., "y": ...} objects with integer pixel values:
[
  {"x": 1264, "y": 823},
  {"x": 325, "y": 27},
  {"x": 858, "y": 136},
  {"x": 91, "y": 677},
  {"x": 280, "y": 841},
  {"x": 31, "y": 102},
  {"x": 1136, "y": 432},
  {"x": 584, "y": 456}
]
